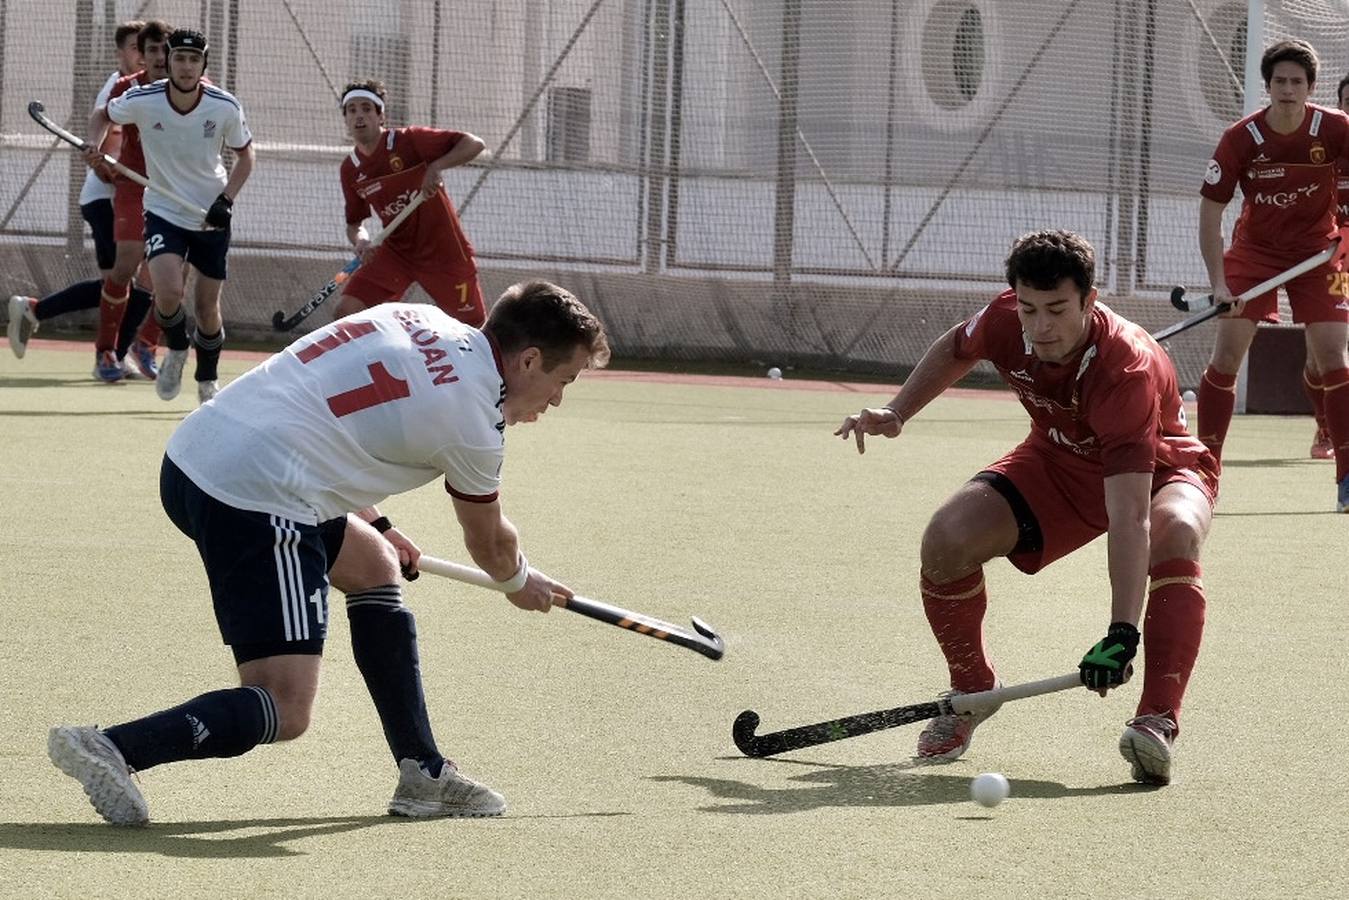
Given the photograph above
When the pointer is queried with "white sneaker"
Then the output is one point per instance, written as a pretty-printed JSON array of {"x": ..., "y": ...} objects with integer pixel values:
[
  {"x": 129, "y": 370},
  {"x": 1148, "y": 745},
  {"x": 206, "y": 390},
  {"x": 420, "y": 796},
  {"x": 170, "y": 379},
  {"x": 85, "y": 754},
  {"x": 22, "y": 323}
]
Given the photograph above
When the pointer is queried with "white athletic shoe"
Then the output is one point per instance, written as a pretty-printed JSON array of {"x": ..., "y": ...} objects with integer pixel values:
[
  {"x": 85, "y": 754},
  {"x": 22, "y": 323},
  {"x": 1148, "y": 744},
  {"x": 420, "y": 796},
  {"x": 206, "y": 390},
  {"x": 129, "y": 370},
  {"x": 170, "y": 379}
]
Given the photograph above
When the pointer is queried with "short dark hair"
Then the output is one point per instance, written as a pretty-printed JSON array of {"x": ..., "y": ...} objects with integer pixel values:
[
  {"x": 541, "y": 314},
  {"x": 373, "y": 85},
  {"x": 126, "y": 30},
  {"x": 1339, "y": 91},
  {"x": 1294, "y": 51},
  {"x": 156, "y": 30},
  {"x": 1042, "y": 259}
]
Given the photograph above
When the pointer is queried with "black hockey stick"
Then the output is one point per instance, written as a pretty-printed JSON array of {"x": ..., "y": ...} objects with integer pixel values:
[
  {"x": 776, "y": 742},
  {"x": 38, "y": 112},
  {"x": 701, "y": 640},
  {"x": 283, "y": 322}
]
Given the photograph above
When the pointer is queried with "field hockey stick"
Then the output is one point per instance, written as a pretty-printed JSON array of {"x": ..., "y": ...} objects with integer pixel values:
[
  {"x": 1209, "y": 310},
  {"x": 39, "y": 114},
  {"x": 851, "y": 726},
  {"x": 282, "y": 322},
  {"x": 704, "y": 641}
]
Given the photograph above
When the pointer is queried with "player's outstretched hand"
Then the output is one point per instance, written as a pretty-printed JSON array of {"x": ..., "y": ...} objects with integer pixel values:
[
  {"x": 877, "y": 420},
  {"x": 538, "y": 592},
  {"x": 220, "y": 213},
  {"x": 1107, "y": 664}
]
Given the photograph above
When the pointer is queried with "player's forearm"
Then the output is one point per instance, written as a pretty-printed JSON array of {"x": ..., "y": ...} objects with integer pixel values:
[
  {"x": 936, "y": 371},
  {"x": 1128, "y": 506},
  {"x": 97, "y": 128},
  {"x": 465, "y": 151},
  {"x": 495, "y": 548},
  {"x": 243, "y": 167},
  {"x": 1211, "y": 241}
]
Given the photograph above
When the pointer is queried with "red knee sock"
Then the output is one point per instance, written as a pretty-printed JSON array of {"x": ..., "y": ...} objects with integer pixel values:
[
  {"x": 1316, "y": 393},
  {"x": 1172, "y": 630},
  {"x": 955, "y": 611},
  {"x": 1217, "y": 398},
  {"x": 111, "y": 309},
  {"x": 1336, "y": 386}
]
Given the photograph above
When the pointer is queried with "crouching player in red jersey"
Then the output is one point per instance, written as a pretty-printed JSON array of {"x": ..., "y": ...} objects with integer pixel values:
[
  {"x": 386, "y": 169},
  {"x": 1108, "y": 453}
]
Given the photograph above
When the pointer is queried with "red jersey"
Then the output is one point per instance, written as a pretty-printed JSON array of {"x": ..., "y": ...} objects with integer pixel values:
[
  {"x": 387, "y": 179},
  {"x": 1342, "y": 192},
  {"x": 1288, "y": 181},
  {"x": 1115, "y": 405},
  {"x": 133, "y": 156}
]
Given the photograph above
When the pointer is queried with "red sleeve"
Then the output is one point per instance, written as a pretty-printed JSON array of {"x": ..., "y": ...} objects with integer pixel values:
[
  {"x": 432, "y": 143},
  {"x": 357, "y": 209},
  {"x": 1123, "y": 415},
  {"x": 983, "y": 334},
  {"x": 1220, "y": 178}
]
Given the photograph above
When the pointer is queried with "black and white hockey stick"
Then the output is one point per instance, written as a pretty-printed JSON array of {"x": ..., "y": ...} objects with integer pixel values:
[
  {"x": 1206, "y": 309},
  {"x": 39, "y": 114},
  {"x": 851, "y": 726},
  {"x": 701, "y": 640},
  {"x": 283, "y": 322}
]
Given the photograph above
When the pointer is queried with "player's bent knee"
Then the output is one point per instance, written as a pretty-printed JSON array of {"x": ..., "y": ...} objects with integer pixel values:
[
  {"x": 1176, "y": 536},
  {"x": 948, "y": 551}
]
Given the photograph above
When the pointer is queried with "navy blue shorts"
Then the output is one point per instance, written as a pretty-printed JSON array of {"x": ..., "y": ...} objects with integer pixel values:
[
  {"x": 268, "y": 575},
  {"x": 98, "y": 214},
  {"x": 205, "y": 250}
]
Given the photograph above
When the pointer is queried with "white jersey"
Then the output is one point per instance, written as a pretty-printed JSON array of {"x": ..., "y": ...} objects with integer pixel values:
[
  {"x": 375, "y": 404},
  {"x": 96, "y": 188},
  {"x": 182, "y": 149}
]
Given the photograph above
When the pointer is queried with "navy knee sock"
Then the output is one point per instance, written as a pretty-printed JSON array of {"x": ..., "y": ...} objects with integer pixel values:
[
  {"x": 219, "y": 724},
  {"x": 175, "y": 328},
  {"x": 208, "y": 353},
  {"x": 384, "y": 642},
  {"x": 137, "y": 305},
  {"x": 80, "y": 295}
]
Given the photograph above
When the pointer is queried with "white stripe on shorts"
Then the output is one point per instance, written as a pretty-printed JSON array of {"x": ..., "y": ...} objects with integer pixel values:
[{"x": 289, "y": 580}]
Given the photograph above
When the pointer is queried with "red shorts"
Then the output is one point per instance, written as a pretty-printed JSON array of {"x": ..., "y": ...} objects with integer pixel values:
[
  {"x": 1067, "y": 499},
  {"x": 1321, "y": 295},
  {"x": 128, "y": 223},
  {"x": 388, "y": 275}
]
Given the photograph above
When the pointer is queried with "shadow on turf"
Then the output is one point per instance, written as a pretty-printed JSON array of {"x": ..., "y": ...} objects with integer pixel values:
[
  {"x": 898, "y": 784},
  {"x": 73, "y": 414}
]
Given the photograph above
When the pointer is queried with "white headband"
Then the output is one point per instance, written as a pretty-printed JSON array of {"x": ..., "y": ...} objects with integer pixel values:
[{"x": 362, "y": 94}]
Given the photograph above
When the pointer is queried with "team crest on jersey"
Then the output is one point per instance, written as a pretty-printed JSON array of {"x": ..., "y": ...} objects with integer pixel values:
[
  {"x": 1214, "y": 173},
  {"x": 1318, "y": 153},
  {"x": 208, "y": 129},
  {"x": 395, "y": 163}
]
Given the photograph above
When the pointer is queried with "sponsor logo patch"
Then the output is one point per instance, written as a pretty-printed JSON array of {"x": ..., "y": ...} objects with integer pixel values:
[{"x": 1214, "y": 173}]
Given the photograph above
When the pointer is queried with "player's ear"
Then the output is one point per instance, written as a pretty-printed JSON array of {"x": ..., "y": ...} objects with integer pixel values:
[
  {"x": 1089, "y": 301},
  {"x": 531, "y": 359}
]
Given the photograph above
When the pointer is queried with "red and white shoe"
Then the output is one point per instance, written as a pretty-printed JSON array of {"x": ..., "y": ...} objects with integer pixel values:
[
  {"x": 1148, "y": 743},
  {"x": 948, "y": 737},
  {"x": 1322, "y": 447}
]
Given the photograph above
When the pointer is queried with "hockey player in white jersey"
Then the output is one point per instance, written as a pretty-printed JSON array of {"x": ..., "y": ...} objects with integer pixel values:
[
  {"x": 277, "y": 479},
  {"x": 184, "y": 123}
]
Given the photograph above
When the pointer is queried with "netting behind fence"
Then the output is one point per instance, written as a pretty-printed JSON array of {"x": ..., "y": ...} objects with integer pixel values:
[{"x": 791, "y": 181}]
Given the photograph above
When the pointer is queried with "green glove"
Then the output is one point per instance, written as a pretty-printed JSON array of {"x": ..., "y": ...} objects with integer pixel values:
[{"x": 1107, "y": 664}]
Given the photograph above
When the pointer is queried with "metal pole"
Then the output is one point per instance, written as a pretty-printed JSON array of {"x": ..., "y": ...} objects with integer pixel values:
[
  {"x": 435, "y": 63},
  {"x": 82, "y": 95},
  {"x": 784, "y": 213},
  {"x": 1254, "y": 96},
  {"x": 890, "y": 94},
  {"x": 676, "y": 126},
  {"x": 657, "y": 133}
]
